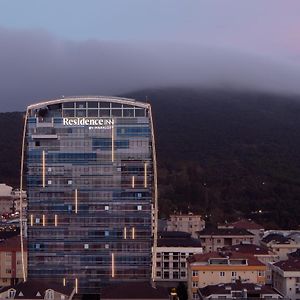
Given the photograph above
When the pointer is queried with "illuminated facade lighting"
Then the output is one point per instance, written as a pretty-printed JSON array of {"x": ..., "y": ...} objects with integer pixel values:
[{"x": 95, "y": 148}]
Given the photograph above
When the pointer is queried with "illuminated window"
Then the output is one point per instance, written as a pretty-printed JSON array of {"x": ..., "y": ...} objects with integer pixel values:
[
  {"x": 106, "y": 207},
  {"x": 86, "y": 246},
  {"x": 139, "y": 207}
]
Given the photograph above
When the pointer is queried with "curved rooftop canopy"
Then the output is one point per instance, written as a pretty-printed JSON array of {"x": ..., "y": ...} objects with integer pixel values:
[{"x": 120, "y": 100}]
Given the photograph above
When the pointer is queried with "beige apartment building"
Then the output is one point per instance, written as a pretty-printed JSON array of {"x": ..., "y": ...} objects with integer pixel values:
[
  {"x": 214, "y": 239},
  {"x": 260, "y": 252},
  {"x": 286, "y": 277},
  {"x": 186, "y": 222},
  {"x": 249, "y": 225},
  {"x": 11, "y": 261},
  {"x": 173, "y": 249},
  {"x": 222, "y": 267}
]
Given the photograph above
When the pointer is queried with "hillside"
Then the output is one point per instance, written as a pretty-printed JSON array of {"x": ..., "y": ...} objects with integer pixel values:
[{"x": 222, "y": 153}]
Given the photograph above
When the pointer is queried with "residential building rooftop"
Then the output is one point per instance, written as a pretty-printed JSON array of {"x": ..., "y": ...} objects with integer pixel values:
[
  {"x": 12, "y": 244},
  {"x": 276, "y": 238},
  {"x": 36, "y": 289},
  {"x": 134, "y": 290},
  {"x": 215, "y": 256},
  {"x": 291, "y": 264},
  {"x": 176, "y": 239},
  {"x": 246, "y": 224},
  {"x": 248, "y": 248},
  {"x": 209, "y": 231},
  {"x": 227, "y": 288}
]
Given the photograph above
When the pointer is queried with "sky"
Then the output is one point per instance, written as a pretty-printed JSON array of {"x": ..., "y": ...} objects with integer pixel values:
[{"x": 50, "y": 48}]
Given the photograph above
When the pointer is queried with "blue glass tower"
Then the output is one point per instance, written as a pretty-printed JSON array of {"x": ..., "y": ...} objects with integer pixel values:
[{"x": 92, "y": 195}]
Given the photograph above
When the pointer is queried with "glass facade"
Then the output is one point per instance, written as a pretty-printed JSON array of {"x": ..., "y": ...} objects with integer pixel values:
[{"x": 91, "y": 182}]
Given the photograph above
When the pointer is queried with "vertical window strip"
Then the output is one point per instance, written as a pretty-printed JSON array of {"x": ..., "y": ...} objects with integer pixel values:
[
  {"x": 133, "y": 233},
  {"x": 44, "y": 220},
  {"x": 112, "y": 144},
  {"x": 43, "y": 168},
  {"x": 145, "y": 175},
  {"x": 112, "y": 265},
  {"x": 133, "y": 182},
  {"x": 55, "y": 220},
  {"x": 31, "y": 220},
  {"x": 125, "y": 233},
  {"x": 76, "y": 285},
  {"x": 64, "y": 281},
  {"x": 76, "y": 201}
]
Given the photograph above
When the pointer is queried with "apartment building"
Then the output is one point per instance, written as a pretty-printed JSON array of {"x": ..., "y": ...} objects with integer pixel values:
[
  {"x": 286, "y": 277},
  {"x": 11, "y": 261},
  {"x": 281, "y": 245},
  {"x": 213, "y": 239},
  {"x": 173, "y": 249},
  {"x": 6, "y": 199},
  {"x": 256, "y": 229},
  {"x": 262, "y": 253},
  {"x": 186, "y": 222},
  {"x": 222, "y": 267}
]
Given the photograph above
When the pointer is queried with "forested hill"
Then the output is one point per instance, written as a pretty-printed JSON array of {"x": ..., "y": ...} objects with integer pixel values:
[{"x": 225, "y": 154}]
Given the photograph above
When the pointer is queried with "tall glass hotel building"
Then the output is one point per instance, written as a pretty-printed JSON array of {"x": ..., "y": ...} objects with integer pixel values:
[{"x": 92, "y": 195}]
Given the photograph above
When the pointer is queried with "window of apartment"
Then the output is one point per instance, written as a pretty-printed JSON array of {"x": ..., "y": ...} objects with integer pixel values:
[
  {"x": 166, "y": 265},
  {"x": 166, "y": 275},
  {"x": 49, "y": 295},
  {"x": 158, "y": 264},
  {"x": 158, "y": 274},
  {"x": 218, "y": 241},
  {"x": 222, "y": 274},
  {"x": 182, "y": 255},
  {"x": 166, "y": 256},
  {"x": 182, "y": 264},
  {"x": 11, "y": 293},
  {"x": 49, "y": 182},
  {"x": 86, "y": 246},
  {"x": 70, "y": 181},
  {"x": 37, "y": 221},
  {"x": 8, "y": 271},
  {"x": 158, "y": 255},
  {"x": 261, "y": 273},
  {"x": 195, "y": 273},
  {"x": 175, "y": 275},
  {"x": 195, "y": 296},
  {"x": 106, "y": 207},
  {"x": 182, "y": 274},
  {"x": 106, "y": 233},
  {"x": 139, "y": 207},
  {"x": 175, "y": 265},
  {"x": 195, "y": 284},
  {"x": 233, "y": 274}
]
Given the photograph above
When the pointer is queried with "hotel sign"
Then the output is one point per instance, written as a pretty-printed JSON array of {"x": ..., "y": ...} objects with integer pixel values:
[{"x": 93, "y": 123}]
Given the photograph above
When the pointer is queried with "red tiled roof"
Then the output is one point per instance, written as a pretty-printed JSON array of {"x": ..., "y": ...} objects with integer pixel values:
[
  {"x": 134, "y": 290},
  {"x": 248, "y": 248},
  {"x": 227, "y": 288},
  {"x": 35, "y": 289},
  {"x": 12, "y": 244},
  {"x": 252, "y": 260},
  {"x": 292, "y": 264},
  {"x": 246, "y": 224}
]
